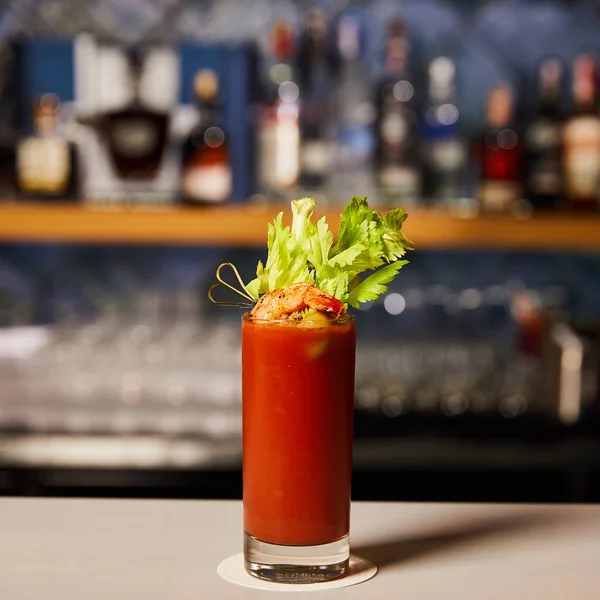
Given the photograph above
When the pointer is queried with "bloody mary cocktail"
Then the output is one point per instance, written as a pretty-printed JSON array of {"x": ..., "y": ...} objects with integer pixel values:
[
  {"x": 298, "y": 397},
  {"x": 298, "y": 352}
]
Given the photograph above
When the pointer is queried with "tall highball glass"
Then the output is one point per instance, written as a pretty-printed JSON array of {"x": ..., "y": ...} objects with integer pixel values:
[{"x": 298, "y": 399}]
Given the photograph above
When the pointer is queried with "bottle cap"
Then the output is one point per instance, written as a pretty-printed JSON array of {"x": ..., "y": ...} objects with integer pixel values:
[
  {"x": 349, "y": 37},
  {"x": 551, "y": 70},
  {"x": 46, "y": 110},
  {"x": 206, "y": 84},
  {"x": 584, "y": 78},
  {"x": 282, "y": 40},
  {"x": 396, "y": 51},
  {"x": 500, "y": 101},
  {"x": 316, "y": 23}
]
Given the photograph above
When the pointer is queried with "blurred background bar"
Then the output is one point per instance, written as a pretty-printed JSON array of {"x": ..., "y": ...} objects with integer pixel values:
[{"x": 143, "y": 142}]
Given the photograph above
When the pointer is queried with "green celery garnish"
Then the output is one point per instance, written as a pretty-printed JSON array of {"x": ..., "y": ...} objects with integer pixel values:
[{"x": 305, "y": 252}]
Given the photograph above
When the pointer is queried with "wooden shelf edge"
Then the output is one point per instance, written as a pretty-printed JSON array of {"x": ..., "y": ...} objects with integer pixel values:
[{"x": 243, "y": 225}]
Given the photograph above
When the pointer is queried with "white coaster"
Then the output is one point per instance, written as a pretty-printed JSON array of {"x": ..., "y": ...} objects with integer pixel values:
[{"x": 232, "y": 569}]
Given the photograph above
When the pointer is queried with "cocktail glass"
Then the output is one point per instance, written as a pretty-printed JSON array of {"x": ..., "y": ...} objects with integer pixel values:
[{"x": 298, "y": 399}]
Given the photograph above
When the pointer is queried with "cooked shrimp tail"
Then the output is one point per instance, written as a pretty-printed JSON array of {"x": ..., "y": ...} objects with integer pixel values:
[{"x": 288, "y": 302}]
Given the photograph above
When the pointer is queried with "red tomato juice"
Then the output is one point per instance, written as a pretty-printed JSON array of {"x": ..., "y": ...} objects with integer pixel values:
[{"x": 298, "y": 398}]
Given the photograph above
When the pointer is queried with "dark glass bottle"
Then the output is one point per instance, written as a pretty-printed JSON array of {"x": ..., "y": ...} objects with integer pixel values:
[
  {"x": 46, "y": 162},
  {"x": 500, "y": 154},
  {"x": 7, "y": 147},
  {"x": 136, "y": 135},
  {"x": 9, "y": 103},
  {"x": 206, "y": 176},
  {"x": 314, "y": 76},
  {"x": 444, "y": 150},
  {"x": 581, "y": 138},
  {"x": 543, "y": 141},
  {"x": 398, "y": 173}
]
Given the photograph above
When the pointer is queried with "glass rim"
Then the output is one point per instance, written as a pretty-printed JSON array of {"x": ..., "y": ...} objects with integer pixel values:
[{"x": 344, "y": 319}]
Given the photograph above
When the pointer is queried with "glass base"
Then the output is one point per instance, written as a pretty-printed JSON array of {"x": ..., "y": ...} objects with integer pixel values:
[{"x": 296, "y": 564}]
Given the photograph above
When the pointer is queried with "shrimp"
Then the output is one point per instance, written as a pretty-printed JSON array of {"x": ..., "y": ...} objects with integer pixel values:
[{"x": 288, "y": 302}]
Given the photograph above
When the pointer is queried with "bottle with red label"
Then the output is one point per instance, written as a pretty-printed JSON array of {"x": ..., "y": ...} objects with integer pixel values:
[
  {"x": 581, "y": 138},
  {"x": 500, "y": 154}
]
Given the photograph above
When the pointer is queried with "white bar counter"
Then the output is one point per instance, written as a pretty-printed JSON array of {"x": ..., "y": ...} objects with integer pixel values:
[{"x": 60, "y": 549}]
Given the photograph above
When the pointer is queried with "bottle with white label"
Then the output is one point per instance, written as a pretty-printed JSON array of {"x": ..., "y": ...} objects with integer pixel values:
[
  {"x": 581, "y": 138},
  {"x": 314, "y": 74},
  {"x": 398, "y": 173},
  {"x": 46, "y": 162},
  {"x": 443, "y": 149},
  {"x": 278, "y": 132},
  {"x": 543, "y": 141},
  {"x": 206, "y": 174}
]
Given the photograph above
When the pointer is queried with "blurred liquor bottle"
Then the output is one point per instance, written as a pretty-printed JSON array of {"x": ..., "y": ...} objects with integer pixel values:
[
  {"x": 500, "y": 154},
  {"x": 581, "y": 137},
  {"x": 444, "y": 150},
  {"x": 125, "y": 98},
  {"x": 543, "y": 141},
  {"x": 354, "y": 114},
  {"x": 46, "y": 162},
  {"x": 206, "y": 174},
  {"x": 398, "y": 173},
  {"x": 135, "y": 135},
  {"x": 314, "y": 71},
  {"x": 9, "y": 99},
  {"x": 278, "y": 135}
]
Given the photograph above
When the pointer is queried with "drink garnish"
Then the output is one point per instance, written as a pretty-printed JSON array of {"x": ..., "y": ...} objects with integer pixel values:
[
  {"x": 292, "y": 302},
  {"x": 250, "y": 301},
  {"x": 353, "y": 270}
]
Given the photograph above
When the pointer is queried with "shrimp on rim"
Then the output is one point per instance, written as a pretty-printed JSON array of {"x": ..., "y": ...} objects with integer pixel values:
[{"x": 290, "y": 301}]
